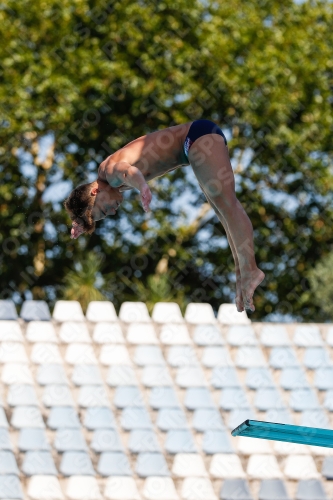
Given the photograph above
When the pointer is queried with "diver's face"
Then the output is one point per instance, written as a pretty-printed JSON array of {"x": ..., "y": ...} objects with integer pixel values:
[{"x": 106, "y": 202}]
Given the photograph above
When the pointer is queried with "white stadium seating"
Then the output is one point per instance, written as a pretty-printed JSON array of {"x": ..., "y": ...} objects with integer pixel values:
[{"x": 133, "y": 406}]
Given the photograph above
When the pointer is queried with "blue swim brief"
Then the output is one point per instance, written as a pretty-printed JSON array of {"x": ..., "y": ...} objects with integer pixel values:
[{"x": 199, "y": 128}]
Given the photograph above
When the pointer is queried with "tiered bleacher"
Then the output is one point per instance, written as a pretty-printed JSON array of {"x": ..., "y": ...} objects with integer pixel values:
[{"x": 135, "y": 407}]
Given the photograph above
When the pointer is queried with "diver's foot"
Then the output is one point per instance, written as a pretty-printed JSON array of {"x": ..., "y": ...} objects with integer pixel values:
[{"x": 249, "y": 284}]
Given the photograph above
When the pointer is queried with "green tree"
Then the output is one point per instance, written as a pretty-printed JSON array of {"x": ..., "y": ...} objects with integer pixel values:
[
  {"x": 82, "y": 283},
  {"x": 93, "y": 75},
  {"x": 97, "y": 81},
  {"x": 272, "y": 72},
  {"x": 321, "y": 285}
]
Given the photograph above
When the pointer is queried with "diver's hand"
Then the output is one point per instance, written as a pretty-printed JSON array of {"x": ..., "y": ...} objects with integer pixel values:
[{"x": 146, "y": 197}]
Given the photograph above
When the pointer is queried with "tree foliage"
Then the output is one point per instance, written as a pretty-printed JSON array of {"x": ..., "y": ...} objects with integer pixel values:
[
  {"x": 92, "y": 75},
  {"x": 81, "y": 283},
  {"x": 321, "y": 285}
]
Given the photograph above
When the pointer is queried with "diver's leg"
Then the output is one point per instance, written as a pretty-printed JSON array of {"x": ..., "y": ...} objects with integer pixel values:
[
  {"x": 239, "y": 297},
  {"x": 210, "y": 161}
]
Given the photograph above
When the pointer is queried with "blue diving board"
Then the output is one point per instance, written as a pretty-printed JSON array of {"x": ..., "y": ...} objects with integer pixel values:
[{"x": 285, "y": 432}]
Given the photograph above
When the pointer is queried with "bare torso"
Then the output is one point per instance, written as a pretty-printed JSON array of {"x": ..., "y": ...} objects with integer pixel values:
[{"x": 153, "y": 154}]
